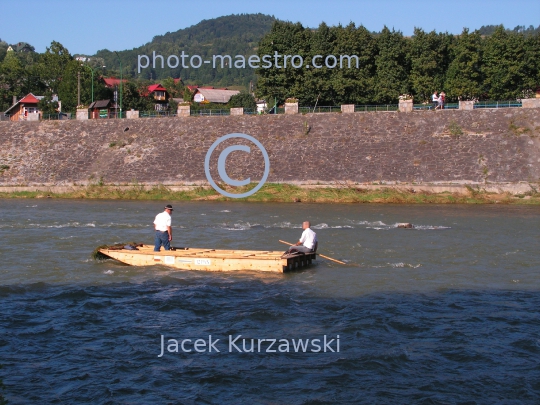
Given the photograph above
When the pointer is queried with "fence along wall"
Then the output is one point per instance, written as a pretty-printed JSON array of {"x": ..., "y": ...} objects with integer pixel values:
[{"x": 422, "y": 146}]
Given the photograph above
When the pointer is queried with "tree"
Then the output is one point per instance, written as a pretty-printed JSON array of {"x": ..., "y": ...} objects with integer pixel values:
[
  {"x": 175, "y": 90},
  {"x": 243, "y": 99},
  {"x": 173, "y": 105},
  {"x": 3, "y": 50},
  {"x": 134, "y": 96},
  {"x": 68, "y": 86},
  {"x": 464, "y": 76},
  {"x": 317, "y": 83},
  {"x": 187, "y": 95},
  {"x": 503, "y": 65},
  {"x": 531, "y": 66},
  {"x": 47, "y": 106},
  {"x": 12, "y": 80},
  {"x": 282, "y": 80},
  {"x": 391, "y": 77},
  {"x": 52, "y": 64},
  {"x": 427, "y": 57}
]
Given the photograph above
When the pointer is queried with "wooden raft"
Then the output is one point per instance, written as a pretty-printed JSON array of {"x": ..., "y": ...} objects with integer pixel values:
[{"x": 212, "y": 259}]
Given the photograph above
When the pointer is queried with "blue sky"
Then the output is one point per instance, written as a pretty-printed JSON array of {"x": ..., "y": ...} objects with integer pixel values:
[{"x": 87, "y": 26}]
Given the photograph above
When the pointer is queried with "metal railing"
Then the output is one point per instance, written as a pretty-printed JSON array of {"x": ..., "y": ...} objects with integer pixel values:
[
  {"x": 209, "y": 112},
  {"x": 156, "y": 114},
  {"x": 429, "y": 107},
  {"x": 498, "y": 104},
  {"x": 371, "y": 107},
  {"x": 280, "y": 110},
  {"x": 319, "y": 109},
  {"x": 58, "y": 116}
]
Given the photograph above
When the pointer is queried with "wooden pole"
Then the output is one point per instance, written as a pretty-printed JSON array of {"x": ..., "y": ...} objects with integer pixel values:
[{"x": 326, "y": 257}]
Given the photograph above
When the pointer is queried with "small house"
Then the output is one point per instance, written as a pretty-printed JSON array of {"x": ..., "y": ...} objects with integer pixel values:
[
  {"x": 101, "y": 109},
  {"x": 211, "y": 95},
  {"x": 160, "y": 96},
  {"x": 26, "y": 109}
]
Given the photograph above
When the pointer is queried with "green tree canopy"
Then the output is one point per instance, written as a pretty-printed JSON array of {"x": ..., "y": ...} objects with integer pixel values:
[
  {"x": 428, "y": 58},
  {"x": 503, "y": 66},
  {"x": 243, "y": 99},
  {"x": 391, "y": 77},
  {"x": 52, "y": 65},
  {"x": 464, "y": 74},
  {"x": 12, "y": 80}
]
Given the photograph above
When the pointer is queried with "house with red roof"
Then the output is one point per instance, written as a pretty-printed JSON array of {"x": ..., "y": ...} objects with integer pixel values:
[
  {"x": 160, "y": 96},
  {"x": 112, "y": 82},
  {"x": 26, "y": 109}
]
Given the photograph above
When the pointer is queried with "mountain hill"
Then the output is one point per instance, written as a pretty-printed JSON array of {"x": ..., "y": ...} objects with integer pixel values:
[{"x": 229, "y": 35}]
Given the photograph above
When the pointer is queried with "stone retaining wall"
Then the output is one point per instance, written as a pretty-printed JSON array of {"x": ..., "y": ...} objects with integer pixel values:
[{"x": 448, "y": 146}]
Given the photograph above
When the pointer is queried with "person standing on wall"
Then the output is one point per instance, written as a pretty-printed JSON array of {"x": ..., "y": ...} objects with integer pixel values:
[
  {"x": 435, "y": 100},
  {"x": 162, "y": 226}
]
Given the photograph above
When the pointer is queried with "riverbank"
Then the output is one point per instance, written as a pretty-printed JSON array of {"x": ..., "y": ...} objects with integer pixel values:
[{"x": 277, "y": 192}]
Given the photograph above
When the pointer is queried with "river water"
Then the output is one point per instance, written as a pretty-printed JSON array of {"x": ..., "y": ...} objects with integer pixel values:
[{"x": 443, "y": 313}]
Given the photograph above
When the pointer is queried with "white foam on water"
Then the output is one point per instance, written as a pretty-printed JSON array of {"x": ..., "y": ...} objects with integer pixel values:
[
  {"x": 376, "y": 223},
  {"x": 429, "y": 227},
  {"x": 238, "y": 226},
  {"x": 401, "y": 265},
  {"x": 68, "y": 225}
]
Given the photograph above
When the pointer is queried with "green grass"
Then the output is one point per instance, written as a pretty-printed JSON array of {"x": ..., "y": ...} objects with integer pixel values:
[{"x": 279, "y": 192}]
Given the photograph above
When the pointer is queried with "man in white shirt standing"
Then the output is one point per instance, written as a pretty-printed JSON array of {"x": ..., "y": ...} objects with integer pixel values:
[
  {"x": 162, "y": 225},
  {"x": 308, "y": 241}
]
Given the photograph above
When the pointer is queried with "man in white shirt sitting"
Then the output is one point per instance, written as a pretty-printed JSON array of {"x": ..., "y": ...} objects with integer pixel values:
[
  {"x": 308, "y": 241},
  {"x": 162, "y": 225}
]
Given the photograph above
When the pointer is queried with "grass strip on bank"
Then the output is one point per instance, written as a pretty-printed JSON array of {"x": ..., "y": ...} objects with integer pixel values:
[{"x": 277, "y": 192}]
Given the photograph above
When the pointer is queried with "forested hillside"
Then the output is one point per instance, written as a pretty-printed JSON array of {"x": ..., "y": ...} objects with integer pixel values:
[
  {"x": 520, "y": 29},
  {"x": 229, "y": 35}
]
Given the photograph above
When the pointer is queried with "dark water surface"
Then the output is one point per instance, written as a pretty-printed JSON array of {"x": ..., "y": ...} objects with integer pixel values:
[{"x": 447, "y": 313}]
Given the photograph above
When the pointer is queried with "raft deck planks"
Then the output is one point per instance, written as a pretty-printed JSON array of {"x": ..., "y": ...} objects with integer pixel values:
[{"x": 212, "y": 259}]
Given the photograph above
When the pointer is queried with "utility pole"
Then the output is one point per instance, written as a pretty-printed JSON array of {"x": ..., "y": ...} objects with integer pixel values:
[
  {"x": 120, "y": 60},
  {"x": 78, "y": 88}
]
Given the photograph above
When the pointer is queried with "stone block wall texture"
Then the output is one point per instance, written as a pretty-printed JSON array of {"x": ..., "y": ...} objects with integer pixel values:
[
  {"x": 82, "y": 114},
  {"x": 130, "y": 114},
  {"x": 448, "y": 146},
  {"x": 237, "y": 111},
  {"x": 531, "y": 102},
  {"x": 184, "y": 111},
  {"x": 291, "y": 108},
  {"x": 405, "y": 105},
  {"x": 466, "y": 105}
]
